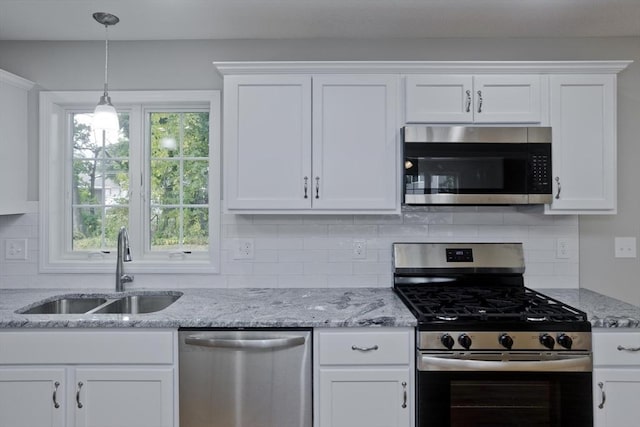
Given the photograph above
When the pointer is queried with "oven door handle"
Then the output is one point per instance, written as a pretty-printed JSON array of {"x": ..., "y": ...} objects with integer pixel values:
[{"x": 570, "y": 364}]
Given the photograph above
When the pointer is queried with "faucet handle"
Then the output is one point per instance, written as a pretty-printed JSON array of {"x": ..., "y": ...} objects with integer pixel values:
[{"x": 126, "y": 278}]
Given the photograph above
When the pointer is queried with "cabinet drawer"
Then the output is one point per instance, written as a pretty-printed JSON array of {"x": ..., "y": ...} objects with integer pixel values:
[
  {"x": 364, "y": 348},
  {"x": 87, "y": 346},
  {"x": 606, "y": 352}
]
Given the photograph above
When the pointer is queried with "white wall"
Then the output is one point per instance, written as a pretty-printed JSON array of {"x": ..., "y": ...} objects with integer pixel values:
[{"x": 187, "y": 65}]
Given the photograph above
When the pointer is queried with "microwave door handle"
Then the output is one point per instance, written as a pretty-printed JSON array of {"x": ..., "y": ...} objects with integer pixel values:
[{"x": 434, "y": 363}]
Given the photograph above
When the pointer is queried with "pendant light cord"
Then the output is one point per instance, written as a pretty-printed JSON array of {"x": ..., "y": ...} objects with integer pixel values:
[{"x": 106, "y": 60}]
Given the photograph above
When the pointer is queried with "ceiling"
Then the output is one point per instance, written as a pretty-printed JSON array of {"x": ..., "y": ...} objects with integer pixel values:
[{"x": 280, "y": 19}]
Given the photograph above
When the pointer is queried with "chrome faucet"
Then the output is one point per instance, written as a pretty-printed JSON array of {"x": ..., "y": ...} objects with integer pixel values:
[{"x": 124, "y": 255}]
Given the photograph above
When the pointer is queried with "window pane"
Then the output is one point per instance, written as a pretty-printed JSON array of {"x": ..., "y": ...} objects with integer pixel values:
[
  {"x": 165, "y": 134},
  {"x": 87, "y": 229},
  {"x": 100, "y": 180},
  {"x": 196, "y": 182},
  {"x": 115, "y": 217},
  {"x": 96, "y": 228},
  {"x": 165, "y": 228},
  {"x": 165, "y": 182},
  {"x": 196, "y": 235},
  {"x": 179, "y": 179},
  {"x": 83, "y": 182},
  {"x": 116, "y": 182},
  {"x": 196, "y": 135}
]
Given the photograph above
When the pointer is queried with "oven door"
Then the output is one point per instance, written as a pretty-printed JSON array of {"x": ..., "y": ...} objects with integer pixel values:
[{"x": 556, "y": 393}]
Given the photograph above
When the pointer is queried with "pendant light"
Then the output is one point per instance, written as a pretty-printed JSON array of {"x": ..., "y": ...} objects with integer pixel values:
[{"x": 105, "y": 116}]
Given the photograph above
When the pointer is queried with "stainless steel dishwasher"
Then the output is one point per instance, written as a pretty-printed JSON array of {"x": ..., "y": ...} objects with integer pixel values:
[{"x": 245, "y": 378}]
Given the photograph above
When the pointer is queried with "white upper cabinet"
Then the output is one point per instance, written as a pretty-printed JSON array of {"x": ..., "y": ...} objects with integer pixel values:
[
  {"x": 13, "y": 143},
  {"x": 583, "y": 121},
  {"x": 267, "y": 142},
  {"x": 276, "y": 161},
  {"x": 354, "y": 142},
  {"x": 449, "y": 98},
  {"x": 323, "y": 137}
]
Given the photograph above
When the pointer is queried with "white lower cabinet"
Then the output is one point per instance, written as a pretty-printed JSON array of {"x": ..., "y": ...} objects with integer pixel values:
[
  {"x": 124, "y": 397},
  {"x": 364, "y": 377},
  {"x": 31, "y": 397},
  {"x": 74, "y": 384},
  {"x": 616, "y": 379}
]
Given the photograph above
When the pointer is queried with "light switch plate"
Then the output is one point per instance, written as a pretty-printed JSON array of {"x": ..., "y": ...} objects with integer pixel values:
[{"x": 625, "y": 247}]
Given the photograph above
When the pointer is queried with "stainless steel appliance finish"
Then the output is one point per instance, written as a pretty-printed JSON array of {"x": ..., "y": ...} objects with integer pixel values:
[
  {"x": 490, "y": 351},
  {"x": 468, "y": 165},
  {"x": 487, "y": 135},
  {"x": 487, "y": 257},
  {"x": 245, "y": 378}
]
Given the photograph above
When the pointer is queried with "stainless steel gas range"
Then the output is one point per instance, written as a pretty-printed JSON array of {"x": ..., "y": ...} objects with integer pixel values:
[{"x": 491, "y": 352}]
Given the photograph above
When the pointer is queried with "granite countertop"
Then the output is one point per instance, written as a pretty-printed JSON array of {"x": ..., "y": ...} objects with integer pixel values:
[
  {"x": 602, "y": 311},
  {"x": 214, "y": 308},
  {"x": 275, "y": 307}
]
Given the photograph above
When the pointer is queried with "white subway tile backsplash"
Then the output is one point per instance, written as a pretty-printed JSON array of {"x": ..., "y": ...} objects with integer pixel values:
[
  {"x": 453, "y": 231},
  {"x": 404, "y": 230},
  {"x": 477, "y": 218},
  {"x": 317, "y": 250}
]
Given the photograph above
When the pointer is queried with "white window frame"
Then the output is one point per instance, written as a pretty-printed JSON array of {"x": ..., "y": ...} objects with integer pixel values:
[{"x": 55, "y": 257}]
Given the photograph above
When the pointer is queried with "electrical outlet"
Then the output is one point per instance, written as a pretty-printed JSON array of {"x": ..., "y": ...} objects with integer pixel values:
[
  {"x": 243, "y": 249},
  {"x": 15, "y": 249},
  {"x": 625, "y": 247},
  {"x": 563, "y": 248},
  {"x": 359, "y": 249}
]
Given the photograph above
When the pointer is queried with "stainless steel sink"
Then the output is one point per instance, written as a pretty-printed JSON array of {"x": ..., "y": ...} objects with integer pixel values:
[
  {"x": 128, "y": 304},
  {"x": 70, "y": 305},
  {"x": 138, "y": 304}
]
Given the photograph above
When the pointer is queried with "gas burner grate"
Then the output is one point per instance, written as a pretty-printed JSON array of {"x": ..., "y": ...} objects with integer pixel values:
[{"x": 451, "y": 303}]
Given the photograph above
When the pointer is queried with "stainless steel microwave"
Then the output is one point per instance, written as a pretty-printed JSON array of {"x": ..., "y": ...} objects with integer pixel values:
[{"x": 453, "y": 165}]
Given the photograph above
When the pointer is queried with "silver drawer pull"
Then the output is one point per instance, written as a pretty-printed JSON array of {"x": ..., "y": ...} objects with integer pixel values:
[
  {"x": 356, "y": 348},
  {"x": 621, "y": 348},
  {"x": 55, "y": 395},
  {"x": 603, "y": 396},
  {"x": 404, "y": 394},
  {"x": 80, "y": 405}
]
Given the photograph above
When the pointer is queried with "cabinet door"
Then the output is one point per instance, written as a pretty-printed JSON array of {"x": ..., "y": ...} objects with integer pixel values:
[
  {"x": 584, "y": 143},
  {"x": 364, "y": 398},
  {"x": 267, "y": 142},
  {"x": 355, "y": 142},
  {"x": 507, "y": 99},
  {"x": 32, "y": 397},
  {"x": 124, "y": 397},
  {"x": 615, "y": 397},
  {"x": 439, "y": 99},
  {"x": 13, "y": 143}
]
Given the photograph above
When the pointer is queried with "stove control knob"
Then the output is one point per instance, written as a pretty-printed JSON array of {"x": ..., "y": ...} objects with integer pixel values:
[
  {"x": 447, "y": 341},
  {"x": 565, "y": 341},
  {"x": 464, "y": 340},
  {"x": 506, "y": 341},
  {"x": 547, "y": 341}
]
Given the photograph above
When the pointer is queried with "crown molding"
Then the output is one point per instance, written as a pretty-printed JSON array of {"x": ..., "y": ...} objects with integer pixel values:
[
  {"x": 420, "y": 67},
  {"x": 12, "y": 79}
]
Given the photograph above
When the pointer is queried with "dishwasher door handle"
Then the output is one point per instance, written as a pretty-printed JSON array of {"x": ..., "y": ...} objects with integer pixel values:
[{"x": 245, "y": 344}]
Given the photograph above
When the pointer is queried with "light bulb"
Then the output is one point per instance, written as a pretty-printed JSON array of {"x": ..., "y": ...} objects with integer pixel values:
[{"x": 105, "y": 120}]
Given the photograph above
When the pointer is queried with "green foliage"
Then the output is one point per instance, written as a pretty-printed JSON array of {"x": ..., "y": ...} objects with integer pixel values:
[{"x": 178, "y": 183}]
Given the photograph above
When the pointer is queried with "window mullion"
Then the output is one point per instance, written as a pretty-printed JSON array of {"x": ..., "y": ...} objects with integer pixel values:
[{"x": 137, "y": 185}]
